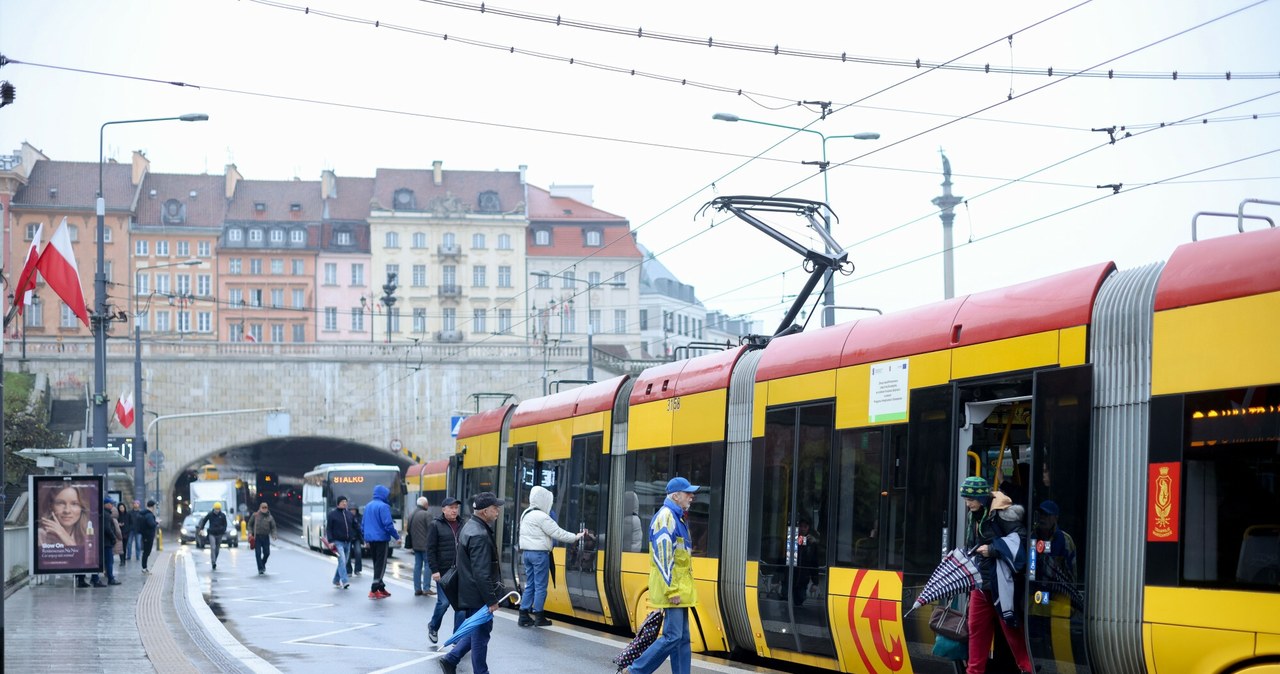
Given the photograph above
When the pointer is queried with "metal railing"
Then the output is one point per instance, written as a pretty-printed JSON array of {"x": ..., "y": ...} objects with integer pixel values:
[{"x": 17, "y": 552}]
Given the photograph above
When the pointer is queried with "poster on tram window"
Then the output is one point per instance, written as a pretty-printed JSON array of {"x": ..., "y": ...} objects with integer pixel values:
[{"x": 66, "y": 523}]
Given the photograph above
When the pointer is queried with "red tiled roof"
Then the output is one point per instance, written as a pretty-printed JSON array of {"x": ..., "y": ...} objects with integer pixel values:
[
  {"x": 77, "y": 185},
  {"x": 352, "y": 202},
  {"x": 465, "y": 186},
  {"x": 206, "y": 209},
  {"x": 567, "y": 240},
  {"x": 359, "y": 234},
  {"x": 543, "y": 206},
  {"x": 278, "y": 195}
]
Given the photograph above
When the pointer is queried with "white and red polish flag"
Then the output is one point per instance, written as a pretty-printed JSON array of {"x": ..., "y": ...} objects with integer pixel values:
[
  {"x": 124, "y": 410},
  {"x": 58, "y": 267},
  {"x": 27, "y": 278}
]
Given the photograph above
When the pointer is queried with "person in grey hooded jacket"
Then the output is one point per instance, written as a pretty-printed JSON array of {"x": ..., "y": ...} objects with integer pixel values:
[{"x": 538, "y": 534}]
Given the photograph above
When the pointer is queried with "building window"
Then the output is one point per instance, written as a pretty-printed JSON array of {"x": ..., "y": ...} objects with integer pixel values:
[
  {"x": 162, "y": 284},
  {"x": 141, "y": 283},
  {"x": 255, "y": 331},
  {"x": 184, "y": 284},
  {"x": 162, "y": 321},
  {"x": 69, "y": 318},
  {"x": 357, "y": 274},
  {"x": 620, "y": 321},
  {"x": 542, "y": 237},
  {"x": 489, "y": 202},
  {"x": 299, "y": 298},
  {"x": 449, "y": 319},
  {"x": 593, "y": 321},
  {"x": 419, "y": 275},
  {"x": 299, "y": 332},
  {"x": 619, "y": 279},
  {"x": 477, "y": 241},
  {"x": 644, "y": 319},
  {"x": 331, "y": 273},
  {"x": 357, "y": 319},
  {"x": 73, "y": 232},
  {"x": 236, "y": 298},
  {"x": 393, "y": 240},
  {"x": 277, "y": 297},
  {"x": 277, "y": 332},
  {"x": 331, "y": 318},
  {"x": 236, "y": 333},
  {"x": 544, "y": 279},
  {"x": 479, "y": 320},
  {"x": 342, "y": 238},
  {"x": 255, "y": 265},
  {"x": 204, "y": 322},
  {"x": 419, "y": 240},
  {"x": 298, "y": 236},
  {"x": 449, "y": 275},
  {"x": 593, "y": 237},
  {"x": 277, "y": 265},
  {"x": 184, "y": 249},
  {"x": 255, "y": 236},
  {"x": 403, "y": 199},
  {"x": 184, "y": 321},
  {"x": 234, "y": 266},
  {"x": 504, "y": 321},
  {"x": 31, "y": 230},
  {"x": 393, "y": 272},
  {"x": 567, "y": 280},
  {"x": 450, "y": 240},
  {"x": 204, "y": 285},
  {"x": 162, "y": 248},
  {"x": 419, "y": 320},
  {"x": 395, "y": 319},
  {"x": 277, "y": 236},
  {"x": 235, "y": 235},
  {"x": 593, "y": 278},
  {"x": 504, "y": 242},
  {"x": 33, "y": 315},
  {"x": 203, "y": 249},
  {"x": 504, "y": 276},
  {"x": 299, "y": 267},
  {"x": 255, "y": 297},
  {"x": 140, "y": 248},
  {"x": 478, "y": 276},
  {"x": 569, "y": 323},
  {"x": 106, "y": 235}
]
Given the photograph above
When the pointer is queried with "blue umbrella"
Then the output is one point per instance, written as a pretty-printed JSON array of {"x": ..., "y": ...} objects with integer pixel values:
[{"x": 476, "y": 619}]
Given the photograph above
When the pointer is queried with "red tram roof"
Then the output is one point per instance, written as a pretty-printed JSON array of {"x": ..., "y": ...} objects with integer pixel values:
[
  {"x": 428, "y": 468},
  {"x": 589, "y": 399},
  {"x": 686, "y": 377},
  {"x": 489, "y": 421},
  {"x": 1220, "y": 269},
  {"x": 1060, "y": 301}
]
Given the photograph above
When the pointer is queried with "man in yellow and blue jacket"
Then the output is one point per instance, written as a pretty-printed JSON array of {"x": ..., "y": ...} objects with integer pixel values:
[{"x": 671, "y": 581}]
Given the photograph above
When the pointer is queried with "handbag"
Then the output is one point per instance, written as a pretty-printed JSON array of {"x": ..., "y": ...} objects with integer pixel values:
[
  {"x": 251, "y": 541},
  {"x": 950, "y": 622}
]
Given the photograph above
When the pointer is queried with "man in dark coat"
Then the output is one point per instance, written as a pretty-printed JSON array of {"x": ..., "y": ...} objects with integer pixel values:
[
  {"x": 340, "y": 529},
  {"x": 479, "y": 582},
  {"x": 147, "y": 526},
  {"x": 442, "y": 547},
  {"x": 216, "y": 521}
]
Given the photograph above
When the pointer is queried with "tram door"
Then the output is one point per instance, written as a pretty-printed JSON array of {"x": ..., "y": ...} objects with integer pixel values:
[
  {"x": 586, "y": 504},
  {"x": 791, "y": 470},
  {"x": 1058, "y": 503},
  {"x": 522, "y": 461}
]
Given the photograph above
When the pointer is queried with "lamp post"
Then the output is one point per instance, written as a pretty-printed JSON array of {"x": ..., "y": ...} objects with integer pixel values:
[
  {"x": 140, "y": 436},
  {"x": 388, "y": 292},
  {"x": 100, "y": 317},
  {"x": 828, "y": 294},
  {"x": 591, "y": 328}
]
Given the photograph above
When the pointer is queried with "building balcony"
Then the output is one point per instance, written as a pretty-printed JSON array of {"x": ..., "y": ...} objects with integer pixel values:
[
  {"x": 450, "y": 290},
  {"x": 449, "y": 336},
  {"x": 446, "y": 250}
]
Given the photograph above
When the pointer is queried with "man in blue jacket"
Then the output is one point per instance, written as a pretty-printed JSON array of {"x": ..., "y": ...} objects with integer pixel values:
[{"x": 378, "y": 529}]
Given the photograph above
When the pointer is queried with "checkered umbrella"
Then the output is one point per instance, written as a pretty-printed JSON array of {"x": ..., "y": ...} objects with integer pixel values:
[{"x": 956, "y": 574}]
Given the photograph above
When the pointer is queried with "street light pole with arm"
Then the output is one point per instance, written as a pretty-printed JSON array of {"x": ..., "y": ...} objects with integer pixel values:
[
  {"x": 100, "y": 318},
  {"x": 828, "y": 293}
]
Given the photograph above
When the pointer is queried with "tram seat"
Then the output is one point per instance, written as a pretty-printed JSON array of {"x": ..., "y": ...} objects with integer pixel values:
[{"x": 1260, "y": 555}]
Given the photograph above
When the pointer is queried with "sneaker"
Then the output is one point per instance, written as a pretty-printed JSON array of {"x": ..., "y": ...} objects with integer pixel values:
[
  {"x": 337, "y": 584},
  {"x": 429, "y": 593},
  {"x": 433, "y": 634},
  {"x": 448, "y": 667},
  {"x": 113, "y": 581},
  {"x": 346, "y": 585},
  {"x": 99, "y": 584},
  {"x": 80, "y": 582},
  {"x": 384, "y": 593},
  {"x": 374, "y": 594}
]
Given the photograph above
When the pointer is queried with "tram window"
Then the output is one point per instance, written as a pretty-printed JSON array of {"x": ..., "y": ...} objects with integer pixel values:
[
  {"x": 702, "y": 464},
  {"x": 860, "y": 465},
  {"x": 1231, "y": 477},
  {"x": 478, "y": 480}
]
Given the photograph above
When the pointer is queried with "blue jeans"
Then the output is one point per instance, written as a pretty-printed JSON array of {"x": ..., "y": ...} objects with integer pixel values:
[
  {"x": 421, "y": 571},
  {"x": 673, "y": 642},
  {"x": 340, "y": 574},
  {"x": 134, "y": 543},
  {"x": 537, "y": 567},
  {"x": 437, "y": 616},
  {"x": 476, "y": 641}
]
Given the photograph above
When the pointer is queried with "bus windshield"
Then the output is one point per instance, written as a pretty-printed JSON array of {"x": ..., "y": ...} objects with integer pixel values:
[{"x": 357, "y": 486}]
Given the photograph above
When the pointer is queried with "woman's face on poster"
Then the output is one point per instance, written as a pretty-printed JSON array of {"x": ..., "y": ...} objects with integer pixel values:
[{"x": 67, "y": 507}]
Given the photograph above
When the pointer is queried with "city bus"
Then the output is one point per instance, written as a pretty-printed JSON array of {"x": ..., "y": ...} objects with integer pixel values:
[{"x": 323, "y": 485}]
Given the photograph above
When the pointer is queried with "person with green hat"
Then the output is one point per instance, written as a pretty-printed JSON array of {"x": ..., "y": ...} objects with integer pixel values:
[{"x": 996, "y": 536}]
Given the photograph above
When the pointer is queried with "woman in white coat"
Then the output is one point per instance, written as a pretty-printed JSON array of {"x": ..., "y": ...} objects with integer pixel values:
[{"x": 538, "y": 534}]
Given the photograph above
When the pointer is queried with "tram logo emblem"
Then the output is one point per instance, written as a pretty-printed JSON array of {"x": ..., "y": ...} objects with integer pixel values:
[
  {"x": 875, "y": 621},
  {"x": 1163, "y": 496}
]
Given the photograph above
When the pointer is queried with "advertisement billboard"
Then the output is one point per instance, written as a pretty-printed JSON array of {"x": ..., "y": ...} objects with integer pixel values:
[{"x": 66, "y": 524}]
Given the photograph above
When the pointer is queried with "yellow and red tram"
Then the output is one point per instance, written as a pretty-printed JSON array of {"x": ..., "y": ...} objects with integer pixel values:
[{"x": 1143, "y": 404}]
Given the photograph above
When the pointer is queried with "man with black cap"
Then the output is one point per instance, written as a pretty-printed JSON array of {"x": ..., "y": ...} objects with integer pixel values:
[
  {"x": 340, "y": 530},
  {"x": 479, "y": 582},
  {"x": 442, "y": 546},
  {"x": 671, "y": 581},
  {"x": 147, "y": 526}
]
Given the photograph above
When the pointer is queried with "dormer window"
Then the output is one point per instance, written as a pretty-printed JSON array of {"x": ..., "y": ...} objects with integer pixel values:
[
  {"x": 592, "y": 237},
  {"x": 296, "y": 208},
  {"x": 260, "y": 206},
  {"x": 489, "y": 202},
  {"x": 277, "y": 236},
  {"x": 174, "y": 212},
  {"x": 342, "y": 238},
  {"x": 298, "y": 236},
  {"x": 255, "y": 236},
  {"x": 403, "y": 200},
  {"x": 234, "y": 234},
  {"x": 542, "y": 237}
]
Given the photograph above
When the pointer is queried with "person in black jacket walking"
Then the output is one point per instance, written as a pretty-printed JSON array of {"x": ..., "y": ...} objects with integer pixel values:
[
  {"x": 479, "y": 582},
  {"x": 341, "y": 530},
  {"x": 442, "y": 552},
  {"x": 147, "y": 526},
  {"x": 217, "y": 523}
]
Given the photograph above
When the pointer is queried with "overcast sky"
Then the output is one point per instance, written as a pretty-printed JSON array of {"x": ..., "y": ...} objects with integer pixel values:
[{"x": 291, "y": 94}]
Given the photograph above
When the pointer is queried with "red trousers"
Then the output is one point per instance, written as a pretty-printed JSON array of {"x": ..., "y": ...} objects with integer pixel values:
[{"x": 982, "y": 619}]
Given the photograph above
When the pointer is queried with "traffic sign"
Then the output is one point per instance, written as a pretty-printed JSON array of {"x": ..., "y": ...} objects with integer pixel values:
[{"x": 455, "y": 423}]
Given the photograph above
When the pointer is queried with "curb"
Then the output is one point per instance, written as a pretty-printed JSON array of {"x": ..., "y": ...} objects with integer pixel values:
[{"x": 214, "y": 628}]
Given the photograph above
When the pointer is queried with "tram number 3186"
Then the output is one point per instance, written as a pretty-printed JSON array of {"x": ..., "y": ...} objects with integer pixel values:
[{"x": 673, "y": 404}]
